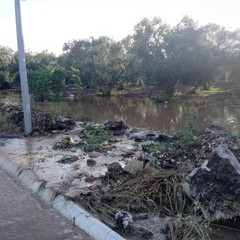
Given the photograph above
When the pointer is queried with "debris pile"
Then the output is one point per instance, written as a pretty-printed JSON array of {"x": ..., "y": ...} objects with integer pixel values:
[
  {"x": 41, "y": 121},
  {"x": 216, "y": 185}
]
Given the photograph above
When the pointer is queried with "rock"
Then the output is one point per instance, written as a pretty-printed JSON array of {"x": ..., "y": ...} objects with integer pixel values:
[
  {"x": 115, "y": 167},
  {"x": 216, "y": 185},
  {"x": 94, "y": 154},
  {"x": 91, "y": 162},
  {"x": 133, "y": 166}
]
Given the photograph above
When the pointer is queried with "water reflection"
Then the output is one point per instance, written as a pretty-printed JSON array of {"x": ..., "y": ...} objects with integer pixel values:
[{"x": 145, "y": 113}]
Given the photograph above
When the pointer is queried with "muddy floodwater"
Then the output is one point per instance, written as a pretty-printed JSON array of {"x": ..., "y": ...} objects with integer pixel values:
[{"x": 146, "y": 113}]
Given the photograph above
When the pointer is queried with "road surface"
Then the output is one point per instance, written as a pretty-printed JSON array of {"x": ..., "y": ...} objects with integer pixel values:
[{"x": 24, "y": 216}]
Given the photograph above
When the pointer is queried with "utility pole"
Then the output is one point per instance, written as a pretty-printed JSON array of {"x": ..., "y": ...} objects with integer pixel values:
[{"x": 23, "y": 71}]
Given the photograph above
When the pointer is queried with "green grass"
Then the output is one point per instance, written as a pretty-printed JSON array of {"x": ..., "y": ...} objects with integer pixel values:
[{"x": 211, "y": 91}]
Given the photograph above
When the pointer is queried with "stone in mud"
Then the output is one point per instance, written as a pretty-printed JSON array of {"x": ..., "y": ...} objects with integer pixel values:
[
  {"x": 91, "y": 162},
  {"x": 133, "y": 166},
  {"x": 94, "y": 154},
  {"x": 216, "y": 185},
  {"x": 115, "y": 167}
]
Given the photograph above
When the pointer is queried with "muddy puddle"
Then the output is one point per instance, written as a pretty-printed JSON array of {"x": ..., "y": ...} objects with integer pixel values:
[{"x": 36, "y": 154}]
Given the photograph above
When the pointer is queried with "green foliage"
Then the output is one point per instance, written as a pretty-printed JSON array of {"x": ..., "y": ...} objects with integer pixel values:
[
  {"x": 156, "y": 54},
  {"x": 53, "y": 118},
  {"x": 47, "y": 83},
  {"x": 94, "y": 137},
  {"x": 187, "y": 135},
  {"x": 114, "y": 92},
  {"x": 6, "y": 60},
  {"x": 39, "y": 83},
  {"x": 100, "y": 62},
  {"x": 75, "y": 76},
  {"x": 58, "y": 83}
]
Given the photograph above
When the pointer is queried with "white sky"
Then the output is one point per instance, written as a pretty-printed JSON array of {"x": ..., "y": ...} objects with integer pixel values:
[{"x": 48, "y": 24}]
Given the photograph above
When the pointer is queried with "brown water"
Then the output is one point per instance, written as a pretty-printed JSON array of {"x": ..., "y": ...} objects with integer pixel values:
[{"x": 147, "y": 114}]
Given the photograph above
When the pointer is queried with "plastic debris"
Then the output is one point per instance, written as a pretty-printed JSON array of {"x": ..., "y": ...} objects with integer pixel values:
[{"x": 123, "y": 219}]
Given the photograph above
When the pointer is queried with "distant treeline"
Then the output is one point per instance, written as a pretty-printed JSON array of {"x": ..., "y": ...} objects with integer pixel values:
[{"x": 155, "y": 55}]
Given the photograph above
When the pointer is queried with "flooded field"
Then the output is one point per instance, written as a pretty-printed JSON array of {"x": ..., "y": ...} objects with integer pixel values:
[{"x": 147, "y": 114}]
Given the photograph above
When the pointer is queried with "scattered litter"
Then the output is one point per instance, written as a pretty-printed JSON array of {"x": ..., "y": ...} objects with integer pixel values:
[{"x": 123, "y": 219}]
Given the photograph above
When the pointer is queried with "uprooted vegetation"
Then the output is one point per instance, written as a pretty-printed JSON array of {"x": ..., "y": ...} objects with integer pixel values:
[{"x": 154, "y": 195}]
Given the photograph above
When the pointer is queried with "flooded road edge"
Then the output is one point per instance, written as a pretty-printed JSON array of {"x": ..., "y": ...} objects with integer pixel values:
[{"x": 69, "y": 209}]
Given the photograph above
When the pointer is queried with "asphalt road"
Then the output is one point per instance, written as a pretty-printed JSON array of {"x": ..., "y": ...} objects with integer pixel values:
[{"x": 24, "y": 216}]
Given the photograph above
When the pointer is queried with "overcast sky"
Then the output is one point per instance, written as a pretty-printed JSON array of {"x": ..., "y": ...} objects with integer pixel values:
[{"x": 48, "y": 24}]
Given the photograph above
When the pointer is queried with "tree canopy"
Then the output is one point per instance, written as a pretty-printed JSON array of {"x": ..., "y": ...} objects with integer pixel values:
[{"x": 156, "y": 54}]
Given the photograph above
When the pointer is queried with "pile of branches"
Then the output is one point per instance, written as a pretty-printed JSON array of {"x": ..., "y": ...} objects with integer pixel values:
[
  {"x": 151, "y": 192},
  {"x": 143, "y": 191}
]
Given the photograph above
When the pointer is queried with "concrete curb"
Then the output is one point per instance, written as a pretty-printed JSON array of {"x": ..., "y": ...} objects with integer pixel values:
[{"x": 69, "y": 209}]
